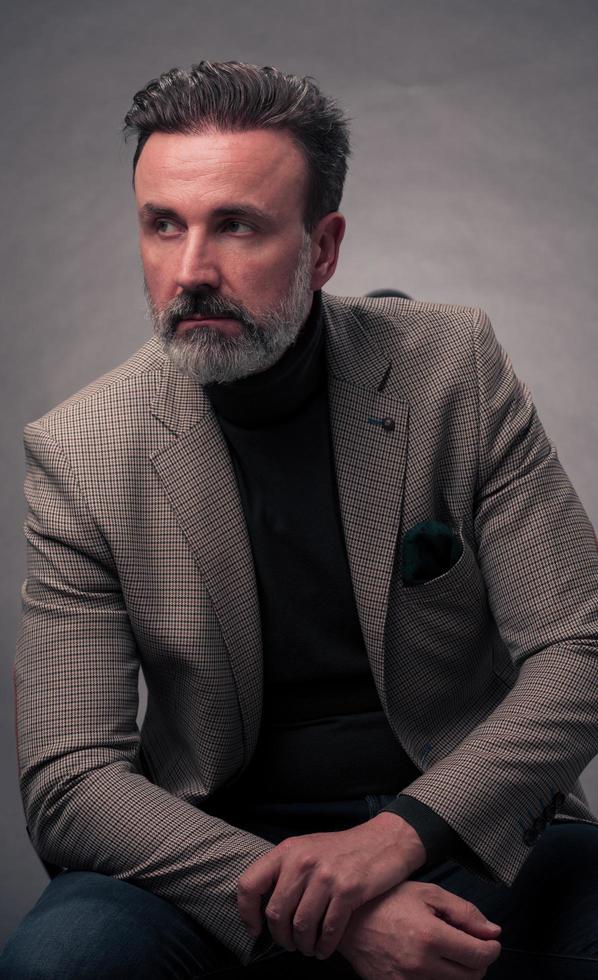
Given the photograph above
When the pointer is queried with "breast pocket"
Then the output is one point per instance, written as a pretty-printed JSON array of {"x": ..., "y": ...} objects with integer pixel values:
[
  {"x": 455, "y": 577},
  {"x": 438, "y": 632}
]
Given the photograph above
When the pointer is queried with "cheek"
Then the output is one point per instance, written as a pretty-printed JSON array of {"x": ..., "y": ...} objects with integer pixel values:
[
  {"x": 155, "y": 272},
  {"x": 265, "y": 276}
]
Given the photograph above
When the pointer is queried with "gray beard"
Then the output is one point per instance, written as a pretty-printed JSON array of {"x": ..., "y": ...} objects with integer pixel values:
[{"x": 208, "y": 356}]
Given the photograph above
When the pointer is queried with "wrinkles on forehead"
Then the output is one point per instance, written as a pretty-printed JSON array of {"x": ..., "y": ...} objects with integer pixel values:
[{"x": 262, "y": 169}]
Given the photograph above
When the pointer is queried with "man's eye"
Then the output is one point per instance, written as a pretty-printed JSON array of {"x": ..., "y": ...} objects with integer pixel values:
[
  {"x": 162, "y": 221},
  {"x": 234, "y": 221}
]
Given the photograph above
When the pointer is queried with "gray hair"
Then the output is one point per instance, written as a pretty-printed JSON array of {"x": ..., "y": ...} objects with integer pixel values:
[{"x": 231, "y": 96}]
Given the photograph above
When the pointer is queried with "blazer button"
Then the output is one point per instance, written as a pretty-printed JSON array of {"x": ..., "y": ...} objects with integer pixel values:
[
  {"x": 530, "y": 837},
  {"x": 550, "y": 812},
  {"x": 539, "y": 824},
  {"x": 558, "y": 799},
  {"x": 388, "y": 424}
]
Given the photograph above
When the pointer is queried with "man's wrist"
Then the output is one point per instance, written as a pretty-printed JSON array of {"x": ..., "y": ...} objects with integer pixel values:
[{"x": 408, "y": 841}]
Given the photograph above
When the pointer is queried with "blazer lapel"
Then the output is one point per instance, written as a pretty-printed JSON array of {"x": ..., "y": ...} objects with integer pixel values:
[
  {"x": 370, "y": 437},
  {"x": 198, "y": 477}
]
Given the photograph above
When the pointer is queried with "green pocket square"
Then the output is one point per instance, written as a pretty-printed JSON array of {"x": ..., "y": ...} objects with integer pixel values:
[{"x": 430, "y": 548}]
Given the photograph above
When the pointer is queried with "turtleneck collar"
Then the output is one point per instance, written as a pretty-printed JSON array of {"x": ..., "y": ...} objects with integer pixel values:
[{"x": 281, "y": 389}]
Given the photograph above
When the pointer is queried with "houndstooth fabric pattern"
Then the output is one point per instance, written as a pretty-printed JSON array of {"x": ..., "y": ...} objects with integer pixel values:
[{"x": 138, "y": 556}]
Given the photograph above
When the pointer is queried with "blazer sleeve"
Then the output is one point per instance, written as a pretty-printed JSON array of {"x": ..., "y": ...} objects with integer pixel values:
[
  {"x": 500, "y": 787},
  {"x": 86, "y": 803}
]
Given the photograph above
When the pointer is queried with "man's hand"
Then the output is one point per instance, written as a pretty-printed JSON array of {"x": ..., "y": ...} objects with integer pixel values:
[
  {"x": 320, "y": 879},
  {"x": 420, "y": 930}
]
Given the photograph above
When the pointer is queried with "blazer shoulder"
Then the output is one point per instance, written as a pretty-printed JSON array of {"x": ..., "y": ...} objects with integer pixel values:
[
  {"x": 441, "y": 341},
  {"x": 433, "y": 350},
  {"x": 127, "y": 386},
  {"x": 412, "y": 324}
]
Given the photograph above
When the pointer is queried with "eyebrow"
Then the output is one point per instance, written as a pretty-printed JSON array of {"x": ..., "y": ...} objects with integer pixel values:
[{"x": 246, "y": 210}]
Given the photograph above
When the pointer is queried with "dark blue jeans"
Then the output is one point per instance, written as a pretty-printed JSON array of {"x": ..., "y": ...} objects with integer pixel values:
[{"x": 86, "y": 925}]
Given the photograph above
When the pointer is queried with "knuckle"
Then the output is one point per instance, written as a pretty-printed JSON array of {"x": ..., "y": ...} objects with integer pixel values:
[
  {"x": 272, "y": 914},
  {"x": 305, "y": 862},
  {"x": 300, "y": 925},
  {"x": 428, "y": 890},
  {"x": 326, "y": 877},
  {"x": 349, "y": 890},
  {"x": 343, "y": 890}
]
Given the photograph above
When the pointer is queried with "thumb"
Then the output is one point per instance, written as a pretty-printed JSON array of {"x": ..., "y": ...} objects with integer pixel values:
[{"x": 464, "y": 915}]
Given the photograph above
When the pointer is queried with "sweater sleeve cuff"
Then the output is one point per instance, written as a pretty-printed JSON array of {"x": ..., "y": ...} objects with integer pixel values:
[{"x": 438, "y": 837}]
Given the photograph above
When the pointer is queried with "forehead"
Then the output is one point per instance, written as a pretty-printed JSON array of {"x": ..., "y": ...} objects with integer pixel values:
[{"x": 263, "y": 166}]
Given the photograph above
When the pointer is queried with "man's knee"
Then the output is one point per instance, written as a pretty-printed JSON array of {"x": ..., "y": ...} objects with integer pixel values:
[{"x": 84, "y": 925}]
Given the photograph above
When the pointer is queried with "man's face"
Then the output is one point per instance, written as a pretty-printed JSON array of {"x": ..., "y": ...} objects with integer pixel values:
[{"x": 221, "y": 235}]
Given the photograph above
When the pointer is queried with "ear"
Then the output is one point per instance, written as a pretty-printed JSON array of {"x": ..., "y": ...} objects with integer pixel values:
[{"x": 327, "y": 236}]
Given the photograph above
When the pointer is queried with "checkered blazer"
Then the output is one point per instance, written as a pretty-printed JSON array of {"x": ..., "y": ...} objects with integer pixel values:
[{"x": 138, "y": 555}]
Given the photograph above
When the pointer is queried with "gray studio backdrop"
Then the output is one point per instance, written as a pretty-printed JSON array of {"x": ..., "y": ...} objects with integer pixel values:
[{"x": 473, "y": 180}]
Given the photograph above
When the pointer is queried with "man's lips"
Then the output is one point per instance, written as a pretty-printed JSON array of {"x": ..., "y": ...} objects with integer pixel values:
[{"x": 226, "y": 324}]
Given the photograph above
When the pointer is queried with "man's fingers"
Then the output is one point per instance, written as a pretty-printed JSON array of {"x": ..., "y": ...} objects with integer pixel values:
[
  {"x": 258, "y": 879},
  {"x": 333, "y": 928},
  {"x": 281, "y": 909},
  {"x": 311, "y": 914},
  {"x": 463, "y": 914},
  {"x": 457, "y": 946}
]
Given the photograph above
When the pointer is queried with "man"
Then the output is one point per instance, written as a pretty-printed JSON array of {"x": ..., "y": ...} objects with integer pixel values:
[{"x": 361, "y": 588}]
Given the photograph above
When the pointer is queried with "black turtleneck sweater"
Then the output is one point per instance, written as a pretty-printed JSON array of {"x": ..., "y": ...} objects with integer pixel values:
[{"x": 324, "y": 735}]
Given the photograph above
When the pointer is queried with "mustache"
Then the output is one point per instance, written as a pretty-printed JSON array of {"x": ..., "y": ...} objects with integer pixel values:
[{"x": 189, "y": 305}]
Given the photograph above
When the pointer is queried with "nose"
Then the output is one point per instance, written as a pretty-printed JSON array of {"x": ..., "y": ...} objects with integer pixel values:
[{"x": 196, "y": 266}]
